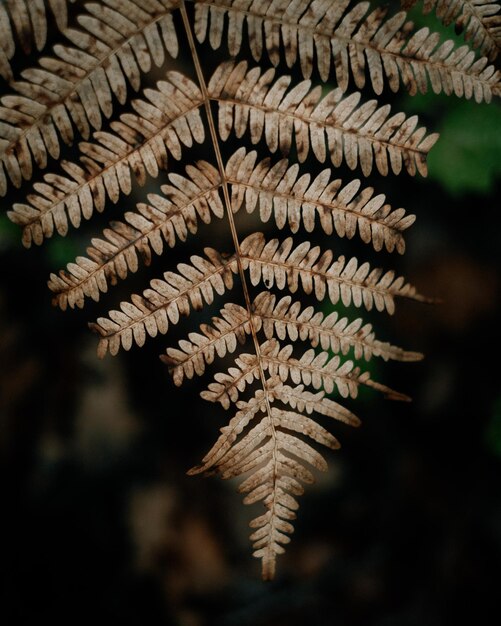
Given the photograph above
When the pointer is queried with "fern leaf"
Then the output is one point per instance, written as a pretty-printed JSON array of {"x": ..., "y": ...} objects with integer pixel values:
[
  {"x": 223, "y": 336},
  {"x": 360, "y": 135},
  {"x": 264, "y": 450},
  {"x": 479, "y": 20},
  {"x": 296, "y": 200},
  {"x": 26, "y": 20},
  {"x": 309, "y": 402},
  {"x": 77, "y": 83},
  {"x": 288, "y": 319},
  {"x": 167, "y": 217},
  {"x": 227, "y": 387},
  {"x": 168, "y": 119},
  {"x": 318, "y": 371},
  {"x": 165, "y": 301},
  {"x": 312, "y": 369},
  {"x": 280, "y": 264},
  {"x": 268, "y": 447},
  {"x": 280, "y": 320},
  {"x": 383, "y": 47},
  {"x": 274, "y": 386},
  {"x": 229, "y": 434}
]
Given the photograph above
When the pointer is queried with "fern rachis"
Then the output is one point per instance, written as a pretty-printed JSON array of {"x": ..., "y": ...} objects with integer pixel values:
[{"x": 274, "y": 386}]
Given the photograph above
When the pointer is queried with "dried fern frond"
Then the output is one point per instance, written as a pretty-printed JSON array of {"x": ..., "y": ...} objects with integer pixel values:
[
  {"x": 165, "y": 301},
  {"x": 385, "y": 47},
  {"x": 270, "y": 448},
  {"x": 161, "y": 124},
  {"x": 278, "y": 460},
  {"x": 26, "y": 20},
  {"x": 285, "y": 357},
  {"x": 287, "y": 319},
  {"x": 118, "y": 41},
  {"x": 359, "y": 135},
  {"x": 284, "y": 265},
  {"x": 167, "y": 217},
  {"x": 281, "y": 320},
  {"x": 479, "y": 20},
  {"x": 294, "y": 200}
]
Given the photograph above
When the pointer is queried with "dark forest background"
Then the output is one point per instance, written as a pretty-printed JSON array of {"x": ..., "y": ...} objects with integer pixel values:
[{"x": 100, "y": 521}]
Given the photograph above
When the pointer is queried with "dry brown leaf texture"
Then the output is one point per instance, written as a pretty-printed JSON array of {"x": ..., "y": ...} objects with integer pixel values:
[{"x": 281, "y": 308}]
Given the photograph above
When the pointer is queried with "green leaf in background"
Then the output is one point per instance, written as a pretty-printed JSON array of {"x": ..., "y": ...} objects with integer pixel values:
[
  {"x": 61, "y": 251},
  {"x": 467, "y": 158},
  {"x": 9, "y": 232}
]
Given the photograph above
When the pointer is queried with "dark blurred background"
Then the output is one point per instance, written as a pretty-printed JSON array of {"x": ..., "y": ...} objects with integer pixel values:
[{"x": 100, "y": 520}]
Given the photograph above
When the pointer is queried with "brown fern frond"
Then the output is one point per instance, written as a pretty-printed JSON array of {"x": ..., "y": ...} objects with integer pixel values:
[
  {"x": 248, "y": 410},
  {"x": 168, "y": 218},
  {"x": 168, "y": 119},
  {"x": 289, "y": 319},
  {"x": 479, "y": 20},
  {"x": 319, "y": 371},
  {"x": 266, "y": 441},
  {"x": 226, "y": 332},
  {"x": 281, "y": 320},
  {"x": 360, "y": 135},
  {"x": 277, "y": 458},
  {"x": 269, "y": 262},
  {"x": 165, "y": 301},
  {"x": 227, "y": 386},
  {"x": 282, "y": 264},
  {"x": 348, "y": 39},
  {"x": 118, "y": 41},
  {"x": 296, "y": 200},
  {"x": 263, "y": 450},
  {"x": 26, "y": 20},
  {"x": 309, "y": 402},
  {"x": 274, "y": 385}
]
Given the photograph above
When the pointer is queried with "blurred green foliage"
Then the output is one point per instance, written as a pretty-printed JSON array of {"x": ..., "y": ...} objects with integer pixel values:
[
  {"x": 9, "y": 232},
  {"x": 468, "y": 159},
  {"x": 61, "y": 251}
]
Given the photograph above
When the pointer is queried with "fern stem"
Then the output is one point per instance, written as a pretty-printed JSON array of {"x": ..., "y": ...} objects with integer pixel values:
[
  {"x": 268, "y": 568},
  {"x": 219, "y": 159}
]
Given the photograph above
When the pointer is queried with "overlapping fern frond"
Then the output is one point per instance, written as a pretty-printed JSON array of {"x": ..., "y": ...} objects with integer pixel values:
[
  {"x": 351, "y": 39},
  {"x": 288, "y": 357},
  {"x": 68, "y": 94},
  {"x": 27, "y": 22},
  {"x": 480, "y": 20}
]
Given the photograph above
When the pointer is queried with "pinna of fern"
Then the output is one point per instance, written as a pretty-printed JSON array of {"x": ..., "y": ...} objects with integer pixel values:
[
  {"x": 288, "y": 357},
  {"x": 479, "y": 20},
  {"x": 116, "y": 43}
]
